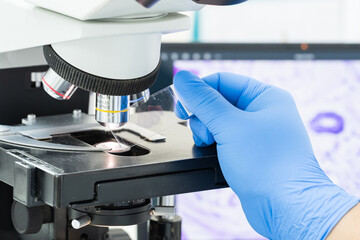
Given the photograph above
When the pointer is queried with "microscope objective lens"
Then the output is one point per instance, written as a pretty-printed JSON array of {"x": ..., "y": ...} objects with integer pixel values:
[
  {"x": 56, "y": 86},
  {"x": 113, "y": 110}
]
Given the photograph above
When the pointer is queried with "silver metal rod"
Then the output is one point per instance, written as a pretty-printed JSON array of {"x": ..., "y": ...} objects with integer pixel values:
[
  {"x": 168, "y": 201},
  {"x": 81, "y": 222},
  {"x": 164, "y": 206}
]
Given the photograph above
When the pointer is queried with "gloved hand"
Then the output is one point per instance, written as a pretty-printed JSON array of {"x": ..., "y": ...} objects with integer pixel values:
[{"x": 265, "y": 154}]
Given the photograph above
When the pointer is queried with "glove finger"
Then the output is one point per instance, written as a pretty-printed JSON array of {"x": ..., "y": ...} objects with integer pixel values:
[
  {"x": 237, "y": 89},
  {"x": 201, "y": 135},
  {"x": 201, "y": 132},
  {"x": 204, "y": 101},
  {"x": 198, "y": 141},
  {"x": 180, "y": 112}
]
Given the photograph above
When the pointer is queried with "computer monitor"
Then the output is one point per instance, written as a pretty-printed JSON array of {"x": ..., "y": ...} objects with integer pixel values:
[{"x": 324, "y": 80}]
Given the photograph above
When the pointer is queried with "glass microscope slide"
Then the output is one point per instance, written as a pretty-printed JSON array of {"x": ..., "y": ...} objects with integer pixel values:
[{"x": 152, "y": 117}]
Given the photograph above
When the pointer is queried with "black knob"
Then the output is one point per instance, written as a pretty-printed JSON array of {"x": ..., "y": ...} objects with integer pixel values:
[
  {"x": 27, "y": 220},
  {"x": 165, "y": 228}
]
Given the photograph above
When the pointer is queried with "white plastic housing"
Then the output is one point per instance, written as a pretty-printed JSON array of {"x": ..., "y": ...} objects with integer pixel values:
[
  {"x": 117, "y": 57},
  {"x": 97, "y": 9},
  {"x": 111, "y": 48}
]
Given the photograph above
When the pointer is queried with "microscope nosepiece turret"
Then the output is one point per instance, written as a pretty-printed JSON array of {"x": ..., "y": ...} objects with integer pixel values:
[{"x": 113, "y": 96}]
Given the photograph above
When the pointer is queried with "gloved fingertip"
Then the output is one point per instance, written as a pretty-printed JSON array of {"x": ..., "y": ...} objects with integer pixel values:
[
  {"x": 179, "y": 111},
  {"x": 198, "y": 142},
  {"x": 209, "y": 139},
  {"x": 201, "y": 132},
  {"x": 182, "y": 81},
  {"x": 183, "y": 76},
  {"x": 202, "y": 100}
]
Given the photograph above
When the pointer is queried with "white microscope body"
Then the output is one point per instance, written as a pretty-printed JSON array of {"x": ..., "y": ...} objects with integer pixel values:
[
  {"x": 126, "y": 29},
  {"x": 110, "y": 47},
  {"x": 105, "y": 46}
]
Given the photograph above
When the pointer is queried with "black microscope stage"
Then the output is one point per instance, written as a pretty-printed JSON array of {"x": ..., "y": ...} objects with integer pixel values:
[{"x": 53, "y": 161}]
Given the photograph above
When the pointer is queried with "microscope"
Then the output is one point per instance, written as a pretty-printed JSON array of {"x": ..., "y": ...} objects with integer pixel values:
[{"x": 55, "y": 182}]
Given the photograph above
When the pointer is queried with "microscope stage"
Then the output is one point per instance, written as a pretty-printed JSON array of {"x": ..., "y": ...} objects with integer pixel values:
[{"x": 54, "y": 161}]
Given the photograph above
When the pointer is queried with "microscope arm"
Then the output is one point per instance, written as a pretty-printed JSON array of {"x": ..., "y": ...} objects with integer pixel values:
[
  {"x": 31, "y": 27},
  {"x": 116, "y": 54}
]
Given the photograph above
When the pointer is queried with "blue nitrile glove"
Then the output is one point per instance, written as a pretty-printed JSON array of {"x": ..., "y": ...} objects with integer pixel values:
[{"x": 265, "y": 154}]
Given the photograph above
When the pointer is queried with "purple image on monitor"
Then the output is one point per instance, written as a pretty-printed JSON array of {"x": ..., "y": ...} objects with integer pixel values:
[
  {"x": 327, "y": 122},
  {"x": 194, "y": 71}
]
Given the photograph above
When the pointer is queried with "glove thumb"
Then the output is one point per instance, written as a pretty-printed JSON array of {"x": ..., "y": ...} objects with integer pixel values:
[{"x": 203, "y": 101}]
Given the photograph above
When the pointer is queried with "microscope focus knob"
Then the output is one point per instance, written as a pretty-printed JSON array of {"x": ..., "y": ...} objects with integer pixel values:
[
  {"x": 28, "y": 220},
  {"x": 165, "y": 228}
]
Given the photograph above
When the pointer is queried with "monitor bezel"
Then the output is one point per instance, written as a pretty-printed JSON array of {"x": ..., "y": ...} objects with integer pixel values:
[{"x": 171, "y": 52}]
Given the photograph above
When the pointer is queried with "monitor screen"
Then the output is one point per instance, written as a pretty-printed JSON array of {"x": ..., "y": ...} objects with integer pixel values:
[{"x": 327, "y": 93}]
